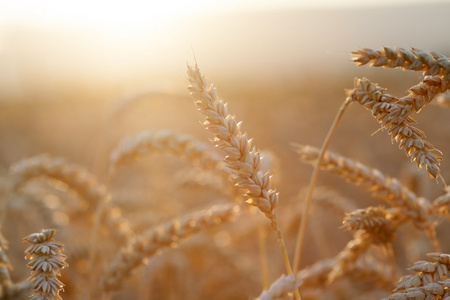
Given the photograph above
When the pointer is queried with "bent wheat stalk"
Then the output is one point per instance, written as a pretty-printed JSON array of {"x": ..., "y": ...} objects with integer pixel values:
[
  {"x": 182, "y": 145},
  {"x": 80, "y": 181},
  {"x": 241, "y": 156},
  {"x": 77, "y": 178},
  {"x": 380, "y": 186},
  {"x": 315, "y": 276},
  {"x": 156, "y": 239}
]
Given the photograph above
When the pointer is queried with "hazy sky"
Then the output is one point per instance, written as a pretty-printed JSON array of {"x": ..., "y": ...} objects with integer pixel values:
[
  {"x": 86, "y": 8},
  {"x": 92, "y": 39},
  {"x": 125, "y": 17}
]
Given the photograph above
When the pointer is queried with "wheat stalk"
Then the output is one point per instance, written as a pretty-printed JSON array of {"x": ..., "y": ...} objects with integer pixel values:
[
  {"x": 430, "y": 282},
  {"x": 74, "y": 176},
  {"x": 421, "y": 94},
  {"x": 431, "y": 63},
  {"x": 240, "y": 155},
  {"x": 348, "y": 257},
  {"x": 21, "y": 290},
  {"x": 5, "y": 267},
  {"x": 167, "y": 235},
  {"x": 46, "y": 262},
  {"x": 312, "y": 183},
  {"x": 80, "y": 181},
  {"x": 380, "y": 186},
  {"x": 384, "y": 108},
  {"x": 182, "y": 145},
  {"x": 316, "y": 275},
  {"x": 77, "y": 178},
  {"x": 376, "y": 221}
]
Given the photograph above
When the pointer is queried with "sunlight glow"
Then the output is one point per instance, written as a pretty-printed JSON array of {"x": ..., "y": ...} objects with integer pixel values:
[
  {"x": 48, "y": 41},
  {"x": 116, "y": 18}
]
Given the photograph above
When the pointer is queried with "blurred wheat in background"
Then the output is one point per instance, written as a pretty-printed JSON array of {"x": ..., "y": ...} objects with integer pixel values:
[{"x": 111, "y": 189}]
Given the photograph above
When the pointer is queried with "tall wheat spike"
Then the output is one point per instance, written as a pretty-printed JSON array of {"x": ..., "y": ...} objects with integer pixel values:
[{"x": 240, "y": 155}]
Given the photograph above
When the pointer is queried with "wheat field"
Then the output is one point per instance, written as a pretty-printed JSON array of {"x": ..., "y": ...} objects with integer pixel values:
[{"x": 267, "y": 198}]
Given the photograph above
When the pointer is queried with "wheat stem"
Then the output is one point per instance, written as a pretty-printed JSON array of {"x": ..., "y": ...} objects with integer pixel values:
[
  {"x": 380, "y": 186},
  {"x": 159, "y": 238},
  {"x": 241, "y": 156},
  {"x": 263, "y": 257},
  {"x": 312, "y": 183}
]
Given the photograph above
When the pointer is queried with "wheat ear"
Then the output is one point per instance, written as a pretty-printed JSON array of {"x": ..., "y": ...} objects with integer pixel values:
[
  {"x": 422, "y": 94},
  {"x": 380, "y": 186},
  {"x": 155, "y": 240},
  {"x": 240, "y": 155},
  {"x": 77, "y": 178},
  {"x": 385, "y": 110},
  {"x": 376, "y": 221},
  {"x": 431, "y": 63},
  {"x": 315, "y": 276},
  {"x": 80, "y": 181},
  {"x": 46, "y": 262},
  {"x": 5, "y": 267},
  {"x": 74, "y": 176},
  {"x": 430, "y": 282},
  {"x": 182, "y": 145},
  {"x": 348, "y": 257}
]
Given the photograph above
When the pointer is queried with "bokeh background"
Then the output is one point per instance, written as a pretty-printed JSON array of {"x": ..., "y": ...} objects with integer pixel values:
[{"x": 78, "y": 76}]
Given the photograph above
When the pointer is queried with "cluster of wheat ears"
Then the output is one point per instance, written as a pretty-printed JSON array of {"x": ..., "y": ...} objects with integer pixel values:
[{"x": 243, "y": 172}]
